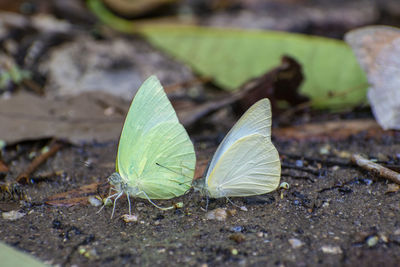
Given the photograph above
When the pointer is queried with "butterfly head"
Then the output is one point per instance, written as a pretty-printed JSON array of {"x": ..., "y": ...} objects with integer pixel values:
[
  {"x": 116, "y": 180},
  {"x": 199, "y": 185}
]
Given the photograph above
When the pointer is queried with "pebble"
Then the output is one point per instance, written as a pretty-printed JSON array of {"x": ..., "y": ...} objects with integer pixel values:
[
  {"x": 236, "y": 229},
  {"x": 129, "y": 218},
  {"x": 217, "y": 214},
  {"x": 392, "y": 188},
  {"x": 325, "y": 150},
  {"x": 94, "y": 201},
  {"x": 88, "y": 252},
  {"x": 334, "y": 250},
  {"x": 260, "y": 234},
  {"x": 13, "y": 215},
  {"x": 237, "y": 237},
  {"x": 295, "y": 243},
  {"x": 243, "y": 208},
  {"x": 299, "y": 163},
  {"x": 234, "y": 251},
  {"x": 372, "y": 241}
]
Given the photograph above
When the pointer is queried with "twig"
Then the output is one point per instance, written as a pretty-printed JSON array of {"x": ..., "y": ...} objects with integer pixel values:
[
  {"x": 376, "y": 168},
  {"x": 39, "y": 160}
]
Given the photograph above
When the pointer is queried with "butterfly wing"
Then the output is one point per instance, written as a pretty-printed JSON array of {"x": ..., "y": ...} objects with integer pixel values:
[
  {"x": 250, "y": 166},
  {"x": 155, "y": 152},
  {"x": 257, "y": 119}
]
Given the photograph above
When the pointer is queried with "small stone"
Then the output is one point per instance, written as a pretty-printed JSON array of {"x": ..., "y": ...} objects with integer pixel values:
[
  {"x": 88, "y": 252},
  {"x": 231, "y": 212},
  {"x": 334, "y": 250},
  {"x": 237, "y": 229},
  {"x": 383, "y": 157},
  {"x": 392, "y": 188},
  {"x": 372, "y": 241},
  {"x": 13, "y": 215},
  {"x": 325, "y": 150},
  {"x": 260, "y": 234},
  {"x": 178, "y": 205},
  {"x": 243, "y": 208},
  {"x": 217, "y": 214},
  {"x": 237, "y": 237},
  {"x": 295, "y": 243},
  {"x": 128, "y": 218},
  {"x": 384, "y": 237},
  {"x": 94, "y": 201},
  {"x": 299, "y": 163},
  {"x": 397, "y": 231}
]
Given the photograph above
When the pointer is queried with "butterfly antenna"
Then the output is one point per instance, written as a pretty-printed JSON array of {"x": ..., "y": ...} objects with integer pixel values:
[
  {"x": 207, "y": 202},
  {"x": 155, "y": 205},
  {"x": 158, "y": 164}
]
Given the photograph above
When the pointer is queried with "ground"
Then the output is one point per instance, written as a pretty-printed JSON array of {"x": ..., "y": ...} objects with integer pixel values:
[{"x": 335, "y": 215}]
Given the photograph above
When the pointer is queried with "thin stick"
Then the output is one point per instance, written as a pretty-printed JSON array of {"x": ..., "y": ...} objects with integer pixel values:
[
  {"x": 376, "y": 168},
  {"x": 39, "y": 160}
]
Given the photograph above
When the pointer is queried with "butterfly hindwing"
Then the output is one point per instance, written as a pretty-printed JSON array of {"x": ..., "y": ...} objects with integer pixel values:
[
  {"x": 257, "y": 119},
  {"x": 251, "y": 166}
]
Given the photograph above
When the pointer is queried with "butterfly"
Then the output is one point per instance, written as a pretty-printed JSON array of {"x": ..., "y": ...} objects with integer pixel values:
[
  {"x": 155, "y": 158},
  {"x": 377, "y": 49},
  {"x": 246, "y": 162}
]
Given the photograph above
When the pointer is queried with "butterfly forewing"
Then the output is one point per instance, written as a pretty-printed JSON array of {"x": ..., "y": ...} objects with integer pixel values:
[
  {"x": 155, "y": 151},
  {"x": 256, "y": 120}
]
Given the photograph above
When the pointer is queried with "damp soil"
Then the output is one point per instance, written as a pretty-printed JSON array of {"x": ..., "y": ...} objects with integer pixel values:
[{"x": 332, "y": 214}]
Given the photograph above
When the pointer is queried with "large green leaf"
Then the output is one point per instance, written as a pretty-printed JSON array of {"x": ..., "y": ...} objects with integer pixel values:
[
  {"x": 333, "y": 77},
  {"x": 232, "y": 57}
]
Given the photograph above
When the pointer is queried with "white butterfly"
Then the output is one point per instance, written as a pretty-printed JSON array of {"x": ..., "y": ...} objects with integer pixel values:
[{"x": 246, "y": 162}]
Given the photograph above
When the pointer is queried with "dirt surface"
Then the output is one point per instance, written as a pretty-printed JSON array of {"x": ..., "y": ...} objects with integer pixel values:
[{"x": 333, "y": 214}]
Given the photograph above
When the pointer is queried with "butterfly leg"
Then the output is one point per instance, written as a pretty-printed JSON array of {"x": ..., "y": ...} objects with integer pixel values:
[
  {"x": 230, "y": 201},
  {"x": 129, "y": 203},
  {"x": 105, "y": 201},
  {"x": 115, "y": 202}
]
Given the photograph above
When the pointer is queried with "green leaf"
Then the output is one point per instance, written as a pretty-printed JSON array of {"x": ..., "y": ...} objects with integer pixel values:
[
  {"x": 12, "y": 257},
  {"x": 333, "y": 78}
]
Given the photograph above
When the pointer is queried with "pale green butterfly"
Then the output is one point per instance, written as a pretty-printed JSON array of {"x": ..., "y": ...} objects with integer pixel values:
[
  {"x": 246, "y": 162},
  {"x": 155, "y": 158}
]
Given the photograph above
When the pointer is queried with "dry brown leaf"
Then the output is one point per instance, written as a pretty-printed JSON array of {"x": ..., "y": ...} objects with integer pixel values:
[
  {"x": 77, "y": 196},
  {"x": 82, "y": 118},
  {"x": 3, "y": 166},
  {"x": 331, "y": 130}
]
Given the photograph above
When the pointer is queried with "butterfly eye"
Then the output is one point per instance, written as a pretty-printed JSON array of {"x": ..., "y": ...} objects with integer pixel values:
[{"x": 114, "y": 178}]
